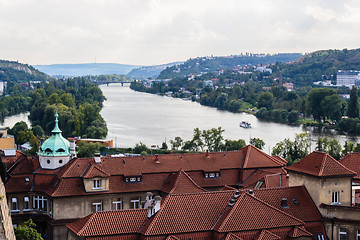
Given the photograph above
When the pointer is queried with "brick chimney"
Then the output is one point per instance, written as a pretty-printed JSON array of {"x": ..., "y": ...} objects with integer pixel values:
[
  {"x": 157, "y": 159},
  {"x": 207, "y": 153}
]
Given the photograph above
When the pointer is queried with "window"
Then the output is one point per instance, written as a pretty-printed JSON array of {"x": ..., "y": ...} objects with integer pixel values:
[
  {"x": 116, "y": 204},
  {"x": 97, "y": 184},
  {"x": 320, "y": 236},
  {"x": 342, "y": 234},
  {"x": 97, "y": 206},
  {"x": 258, "y": 184},
  {"x": 133, "y": 179},
  {"x": 135, "y": 203},
  {"x": 212, "y": 175},
  {"x": 14, "y": 205},
  {"x": 335, "y": 198},
  {"x": 26, "y": 203},
  {"x": 40, "y": 203},
  {"x": 358, "y": 235}
]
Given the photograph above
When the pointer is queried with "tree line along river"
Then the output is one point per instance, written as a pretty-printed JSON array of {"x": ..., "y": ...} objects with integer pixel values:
[{"x": 134, "y": 117}]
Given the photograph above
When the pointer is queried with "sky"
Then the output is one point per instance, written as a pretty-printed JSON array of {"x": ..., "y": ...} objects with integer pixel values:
[{"x": 149, "y": 32}]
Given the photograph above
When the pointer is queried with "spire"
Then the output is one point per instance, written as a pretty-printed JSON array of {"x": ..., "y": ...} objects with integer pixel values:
[{"x": 56, "y": 128}]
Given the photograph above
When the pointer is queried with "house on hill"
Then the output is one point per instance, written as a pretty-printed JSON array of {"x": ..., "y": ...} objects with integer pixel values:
[{"x": 56, "y": 188}]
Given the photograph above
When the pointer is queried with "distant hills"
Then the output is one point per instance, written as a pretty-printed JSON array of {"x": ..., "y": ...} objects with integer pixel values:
[
  {"x": 83, "y": 69},
  {"x": 19, "y": 72},
  {"x": 212, "y": 63},
  {"x": 150, "y": 71},
  {"x": 320, "y": 65}
]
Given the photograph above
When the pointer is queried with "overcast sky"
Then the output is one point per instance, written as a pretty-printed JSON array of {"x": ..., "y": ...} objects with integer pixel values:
[{"x": 147, "y": 32}]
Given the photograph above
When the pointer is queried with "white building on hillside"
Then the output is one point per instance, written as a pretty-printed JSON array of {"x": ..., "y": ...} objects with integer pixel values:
[{"x": 347, "y": 78}]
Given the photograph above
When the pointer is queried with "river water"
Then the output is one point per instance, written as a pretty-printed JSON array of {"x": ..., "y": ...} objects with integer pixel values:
[{"x": 134, "y": 117}]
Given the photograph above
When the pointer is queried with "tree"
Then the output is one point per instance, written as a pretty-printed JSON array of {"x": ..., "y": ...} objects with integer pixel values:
[
  {"x": 333, "y": 107},
  {"x": 164, "y": 146},
  {"x": 293, "y": 151},
  {"x": 85, "y": 149},
  {"x": 27, "y": 231},
  {"x": 332, "y": 147},
  {"x": 232, "y": 145},
  {"x": 176, "y": 143},
  {"x": 293, "y": 116},
  {"x": 140, "y": 148},
  {"x": 353, "y": 104},
  {"x": 257, "y": 142},
  {"x": 265, "y": 99},
  {"x": 315, "y": 104}
]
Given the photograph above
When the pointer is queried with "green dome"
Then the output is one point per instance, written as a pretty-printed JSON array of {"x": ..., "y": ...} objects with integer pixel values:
[{"x": 56, "y": 145}]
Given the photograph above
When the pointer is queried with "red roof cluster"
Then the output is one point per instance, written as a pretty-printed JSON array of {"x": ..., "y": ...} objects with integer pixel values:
[
  {"x": 352, "y": 161},
  {"x": 321, "y": 164},
  {"x": 238, "y": 168},
  {"x": 228, "y": 214}
]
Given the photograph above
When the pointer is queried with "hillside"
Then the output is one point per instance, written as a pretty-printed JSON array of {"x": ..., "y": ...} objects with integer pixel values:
[
  {"x": 150, "y": 71},
  {"x": 69, "y": 70},
  {"x": 211, "y": 64},
  {"x": 320, "y": 65},
  {"x": 21, "y": 73}
]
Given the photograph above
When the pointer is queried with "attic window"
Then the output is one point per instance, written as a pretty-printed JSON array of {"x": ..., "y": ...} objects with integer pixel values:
[
  {"x": 60, "y": 150},
  {"x": 295, "y": 201},
  {"x": 27, "y": 179},
  {"x": 212, "y": 175},
  {"x": 48, "y": 150},
  {"x": 258, "y": 184},
  {"x": 133, "y": 179},
  {"x": 284, "y": 203}
]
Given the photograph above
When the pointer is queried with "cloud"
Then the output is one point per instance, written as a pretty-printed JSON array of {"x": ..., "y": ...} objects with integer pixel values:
[{"x": 161, "y": 31}]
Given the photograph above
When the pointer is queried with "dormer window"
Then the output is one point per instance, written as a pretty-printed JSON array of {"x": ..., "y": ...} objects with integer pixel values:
[
  {"x": 212, "y": 175},
  {"x": 60, "y": 150},
  {"x": 48, "y": 150},
  {"x": 97, "y": 184},
  {"x": 133, "y": 179}
]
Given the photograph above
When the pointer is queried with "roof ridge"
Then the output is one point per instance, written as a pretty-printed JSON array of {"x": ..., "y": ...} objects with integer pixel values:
[
  {"x": 231, "y": 212},
  {"x": 70, "y": 166},
  {"x": 87, "y": 223},
  {"x": 323, "y": 163},
  {"x": 181, "y": 171}
]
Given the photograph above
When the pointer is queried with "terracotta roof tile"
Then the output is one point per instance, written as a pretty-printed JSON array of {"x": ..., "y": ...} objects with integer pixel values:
[
  {"x": 251, "y": 213},
  {"x": 11, "y": 160},
  {"x": 180, "y": 183},
  {"x": 231, "y": 236},
  {"x": 192, "y": 212},
  {"x": 300, "y": 204},
  {"x": 172, "y": 237},
  {"x": 352, "y": 161},
  {"x": 321, "y": 164},
  {"x": 297, "y": 232},
  {"x": 104, "y": 223},
  {"x": 94, "y": 171},
  {"x": 267, "y": 235},
  {"x": 254, "y": 158}
]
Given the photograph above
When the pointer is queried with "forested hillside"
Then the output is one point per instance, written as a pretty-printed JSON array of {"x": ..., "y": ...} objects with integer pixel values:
[{"x": 211, "y": 64}]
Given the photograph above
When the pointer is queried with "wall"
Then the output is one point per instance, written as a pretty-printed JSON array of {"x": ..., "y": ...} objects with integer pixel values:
[
  {"x": 7, "y": 143},
  {"x": 321, "y": 189},
  {"x": 6, "y": 228}
]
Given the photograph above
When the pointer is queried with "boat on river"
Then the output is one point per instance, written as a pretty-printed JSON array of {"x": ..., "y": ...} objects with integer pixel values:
[{"x": 245, "y": 124}]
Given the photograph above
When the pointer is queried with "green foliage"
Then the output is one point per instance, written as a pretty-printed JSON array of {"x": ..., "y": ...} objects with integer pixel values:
[
  {"x": 164, "y": 146},
  {"x": 332, "y": 147},
  {"x": 176, "y": 143},
  {"x": 85, "y": 149},
  {"x": 353, "y": 104},
  {"x": 319, "y": 102},
  {"x": 257, "y": 142},
  {"x": 27, "y": 231},
  {"x": 141, "y": 148},
  {"x": 232, "y": 145},
  {"x": 293, "y": 151}
]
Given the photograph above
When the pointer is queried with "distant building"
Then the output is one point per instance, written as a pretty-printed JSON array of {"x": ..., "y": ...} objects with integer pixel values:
[
  {"x": 208, "y": 83},
  {"x": 289, "y": 86},
  {"x": 347, "y": 78},
  {"x": 263, "y": 69}
]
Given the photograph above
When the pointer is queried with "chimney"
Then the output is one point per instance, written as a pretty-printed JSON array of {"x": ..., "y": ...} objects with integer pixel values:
[
  {"x": 97, "y": 158},
  {"x": 155, "y": 206},
  {"x": 72, "y": 149},
  {"x": 157, "y": 159},
  {"x": 207, "y": 153}
]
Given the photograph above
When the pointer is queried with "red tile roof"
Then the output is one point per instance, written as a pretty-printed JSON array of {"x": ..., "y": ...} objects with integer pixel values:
[
  {"x": 181, "y": 213},
  {"x": 104, "y": 223},
  {"x": 321, "y": 164},
  {"x": 231, "y": 236},
  {"x": 300, "y": 204},
  {"x": 297, "y": 232},
  {"x": 94, "y": 171},
  {"x": 180, "y": 182},
  {"x": 172, "y": 237},
  {"x": 250, "y": 213},
  {"x": 352, "y": 161},
  {"x": 252, "y": 155},
  {"x": 267, "y": 235}
]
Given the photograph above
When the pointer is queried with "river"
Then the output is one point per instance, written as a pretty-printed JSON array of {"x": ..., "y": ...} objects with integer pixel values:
[{"x": 134, "y": 117}]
